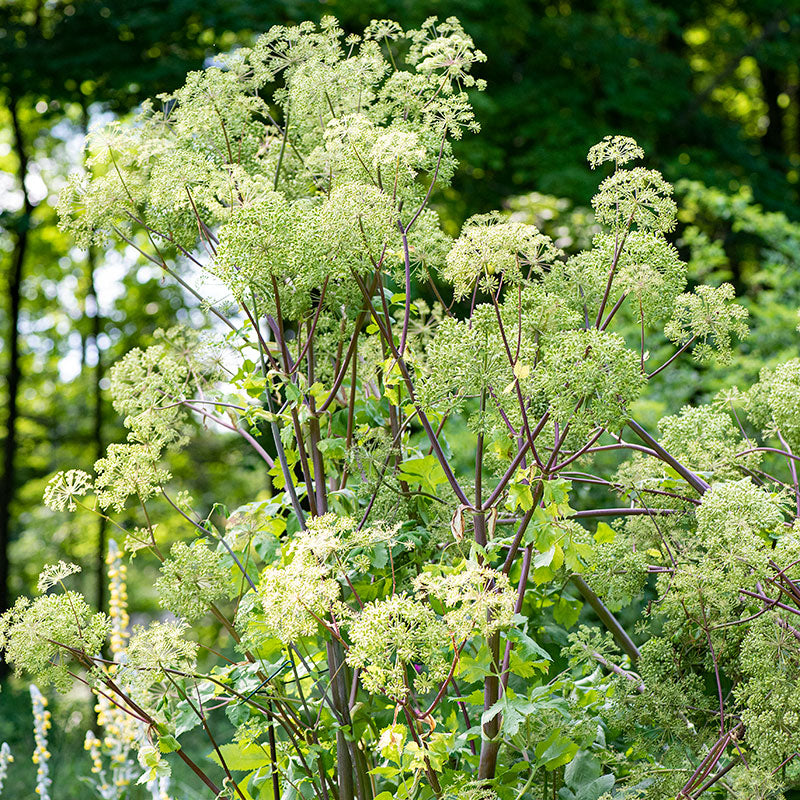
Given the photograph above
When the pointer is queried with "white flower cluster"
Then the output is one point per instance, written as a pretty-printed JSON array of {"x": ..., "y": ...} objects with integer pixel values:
[
  {"x": 476, "y": 599},
  {"x": 489, "y": 247},
  {"x": 55, "y": 573},
  {"x": 619, "y": 149},
  {"x": 64, "y": 487},
  {"x": 709, "y": 316}
]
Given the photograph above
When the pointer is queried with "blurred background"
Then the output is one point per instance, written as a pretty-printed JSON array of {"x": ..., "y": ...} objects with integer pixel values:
[{"x": 710, "y": 89}]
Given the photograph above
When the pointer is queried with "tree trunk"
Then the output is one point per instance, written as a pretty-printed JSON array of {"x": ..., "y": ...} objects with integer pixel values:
[
  {"x": 99, "y": 443},
  {"x": 773, "y": 85},
  {"x": 8, "y": 484}
]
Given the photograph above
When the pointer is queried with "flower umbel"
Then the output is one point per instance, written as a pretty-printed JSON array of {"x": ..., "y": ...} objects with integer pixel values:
[
  {"x": 64, "y": 487},
  {"x": 55, "y": 573}
]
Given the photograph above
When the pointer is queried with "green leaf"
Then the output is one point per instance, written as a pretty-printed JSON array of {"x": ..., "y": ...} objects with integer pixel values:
[
  {"x": 583, "y": 769},
  {"x": 425, "y": 472},
  {"x": 168, "y": 744},
  {"x": 515, "y": 711},
  {"x": 241, "y": 758},
  {"x": 477, "y": 667},
  {"x": 577, "y": 555},
  {"x": 293, "y": 394},
  {"x": 384, "y": 772},
  {"x": 334, "y": 448},
  {"x": 546, "y": 564},
  {"x": 254, "y": 386},
  {"x": 604, "y": 533},
  {"x": 185, "y": 719},
  {"x": 555, "y": 751},
  {"x": 473, "y": 698},
  {"x": 318, "y": 392},
  {"x": 566, "y": 611},
  {"x": 519, "y": 496},
  {"x": 542, "y": 532},
  {"x": 584, "y": 776},
  {"x": 592, "y": 790},
  {"x": 527, "y": 657},
  {"x": 556, "y": 491},
  {"x": 527, "y": 648}
]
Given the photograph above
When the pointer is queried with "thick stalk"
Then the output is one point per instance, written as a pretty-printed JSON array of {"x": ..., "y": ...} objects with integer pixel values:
[
  {"x": 607, "y": 618},
  {"x": 491, "y": 684},
  {"x": 348, "y": 788},
  {"x": 490, "y": 744},
  {"x": 288, "y": 478},
  {"x": 429, "y": 772},
  {"x": 301, "y": 450},
  {"x": 423, "y": 417},
  {"x": 695, "y": 481},
  {"x": 612, "y": 271},
  {"x": 273, "y": 756},
  {"x": 523, "y": 583},
  {"x": 287, "y": 474},
  {"x": 315, "y": 437}
]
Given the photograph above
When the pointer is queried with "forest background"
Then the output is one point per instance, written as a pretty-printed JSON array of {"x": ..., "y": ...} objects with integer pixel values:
[{"x": 711, "y": 90}]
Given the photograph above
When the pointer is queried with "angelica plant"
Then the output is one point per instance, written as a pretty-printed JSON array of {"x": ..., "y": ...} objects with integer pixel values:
[{"x": 441, "y": 514}]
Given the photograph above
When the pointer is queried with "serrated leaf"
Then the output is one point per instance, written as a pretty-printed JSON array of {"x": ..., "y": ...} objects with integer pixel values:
[
  {"x": 168, "y": 744},
  {"x": 555, "y": 751},
  {"x": 527, "y": 647},
  {"x": 424, "y": 471},
  {"x": 583, "y": 769},
  {"x": 519, "y": 496},
  {"x": 515, "y": 711},
  {"x": 547, "y": 564},
  {"x": 566, "y": 612}
]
